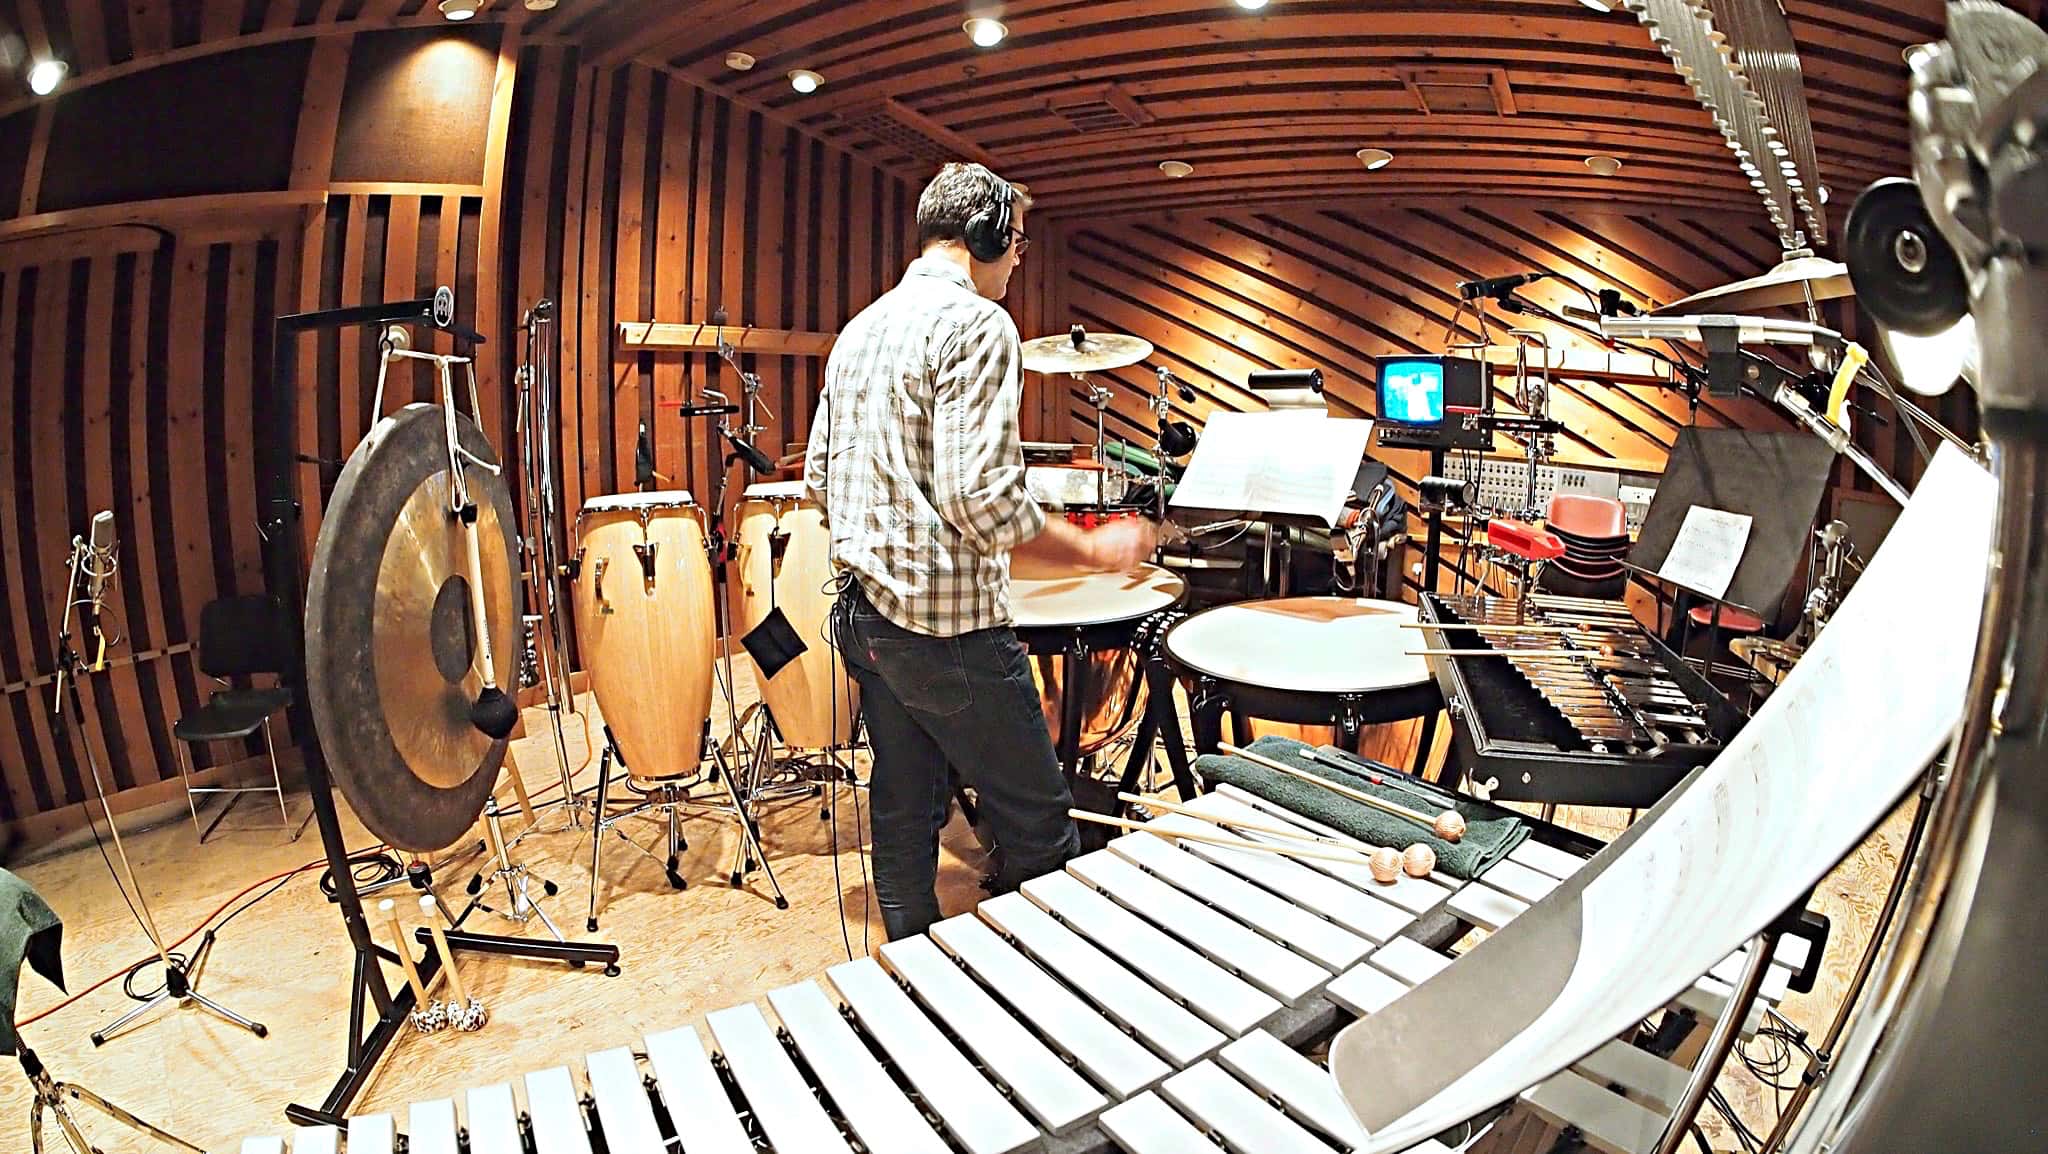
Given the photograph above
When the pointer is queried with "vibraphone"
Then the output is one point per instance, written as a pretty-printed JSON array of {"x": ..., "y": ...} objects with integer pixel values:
[
  {"x": 1149, "y": 996},
  {"x": 1572, "y": 701}
]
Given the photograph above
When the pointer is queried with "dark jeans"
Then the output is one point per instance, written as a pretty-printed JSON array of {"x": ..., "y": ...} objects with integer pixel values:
[{"x": 967, "y": 703}]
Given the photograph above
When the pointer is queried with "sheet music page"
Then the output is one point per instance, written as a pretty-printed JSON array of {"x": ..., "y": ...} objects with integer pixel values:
[
  {"x": 1299, "y": 463},
  {"x": 1707, "y": 550}
]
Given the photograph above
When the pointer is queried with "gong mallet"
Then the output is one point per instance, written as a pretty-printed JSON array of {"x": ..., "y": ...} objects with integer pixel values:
[
  {"x": 492, "y": 712},
  {"x": 1448, "y": 825},
  {"x": 427, "y": 1017},
  {"x": 464, "y": 1012}
]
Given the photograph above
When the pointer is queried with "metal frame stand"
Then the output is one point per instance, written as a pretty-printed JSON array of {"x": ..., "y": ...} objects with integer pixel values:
[
  {"x": 671, "y": 798},
  {"x": 520, "y": 905},
  {"x": 236, "y": 791},
  {"x": 283, "y": 569},
  {"x": 181, "y": 985},
  {"x": 51, "y": 1097}
]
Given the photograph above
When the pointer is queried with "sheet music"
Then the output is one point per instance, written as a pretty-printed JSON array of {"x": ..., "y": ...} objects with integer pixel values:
[
  {"x": 1707, "y": 551},
  {"x": 1829, "y": 753},
  {"x": 1298, "y": 463}
]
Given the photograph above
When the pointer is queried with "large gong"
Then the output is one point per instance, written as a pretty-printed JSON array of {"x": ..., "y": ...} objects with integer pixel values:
[{"x": 391, "y": 654}]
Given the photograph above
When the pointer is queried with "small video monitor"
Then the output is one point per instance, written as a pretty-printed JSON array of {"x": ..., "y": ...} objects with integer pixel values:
[{"x": 1412, "y": 390}]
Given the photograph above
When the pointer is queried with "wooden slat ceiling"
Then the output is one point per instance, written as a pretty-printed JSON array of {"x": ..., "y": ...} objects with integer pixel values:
[{"x": 1271, "y": 106}]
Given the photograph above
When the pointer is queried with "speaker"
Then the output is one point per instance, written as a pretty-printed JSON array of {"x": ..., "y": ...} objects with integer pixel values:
[{"x": 988, "y": 231}]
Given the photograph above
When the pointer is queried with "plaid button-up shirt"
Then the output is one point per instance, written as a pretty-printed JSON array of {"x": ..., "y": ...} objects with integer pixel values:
[{"x": 914, "y": 453}]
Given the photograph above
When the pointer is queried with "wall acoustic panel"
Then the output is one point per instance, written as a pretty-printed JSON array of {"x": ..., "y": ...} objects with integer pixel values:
[
  {"x": 416, "y": 106},
  {"x": 218, "y": 124}
]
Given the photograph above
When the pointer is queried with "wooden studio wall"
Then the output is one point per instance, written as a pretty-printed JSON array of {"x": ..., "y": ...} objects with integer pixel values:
[
  {"x": 138, "y": 279},
  {"x": 1221, "y": 294}
]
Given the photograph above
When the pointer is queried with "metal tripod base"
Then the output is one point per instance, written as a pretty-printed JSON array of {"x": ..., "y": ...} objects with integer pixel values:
[
  {"x": 520, "y": 905},
  {"x": 55, "y": 1098},
  {"x": 181, "y": 987},
  {"x": 671, "y": 798}
]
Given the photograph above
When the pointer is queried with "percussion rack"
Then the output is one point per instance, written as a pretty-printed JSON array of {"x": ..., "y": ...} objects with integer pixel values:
[{"x": 283, "y": 566}]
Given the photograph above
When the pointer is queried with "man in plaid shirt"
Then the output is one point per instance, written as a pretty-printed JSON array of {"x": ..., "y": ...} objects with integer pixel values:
[{"x": 914, "y": 455}]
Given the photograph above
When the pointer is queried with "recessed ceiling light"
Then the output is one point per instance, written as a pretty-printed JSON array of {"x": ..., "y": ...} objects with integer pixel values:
[
  {"x": 984, "y": 32},
  {"x": 460, "y": 9},
  {"x": 804, "y": 80},
  {"x": 1603, "y": 165},
  {"x": 1601, "y": 6},
  {"x": 739, "y": 61},
  {"x": 539, "y": 5},
  {"x": 46, "y": 75},
  {"x": 1375, "y": 159},
  {"x": 1251, "y": 5},
  {"x": 1824, "y": 194},
  {"x": 1175, "y": 168}
]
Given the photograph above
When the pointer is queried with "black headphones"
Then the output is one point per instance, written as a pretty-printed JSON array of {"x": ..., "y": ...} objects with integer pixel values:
[{"x": 988, "y": 231}]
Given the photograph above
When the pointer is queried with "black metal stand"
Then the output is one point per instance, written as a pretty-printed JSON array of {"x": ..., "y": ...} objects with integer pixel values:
[{"x": 282, "y": 571}]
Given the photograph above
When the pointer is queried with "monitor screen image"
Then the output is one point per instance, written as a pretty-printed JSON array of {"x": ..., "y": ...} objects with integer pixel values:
[{"x": 1412, "y": 392}]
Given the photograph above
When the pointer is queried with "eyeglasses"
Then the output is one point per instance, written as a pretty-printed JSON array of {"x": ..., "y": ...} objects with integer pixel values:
[{"x": 1022, "y": 242}]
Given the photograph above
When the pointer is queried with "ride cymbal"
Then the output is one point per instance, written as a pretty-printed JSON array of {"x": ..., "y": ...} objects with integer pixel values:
[
  {"x": 1779, "y": 288},
  {"x": 1084, "y": 352}
]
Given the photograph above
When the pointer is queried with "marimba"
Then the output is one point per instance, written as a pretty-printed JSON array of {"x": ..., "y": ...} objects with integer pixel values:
[{"x": 1149, "y": 996}]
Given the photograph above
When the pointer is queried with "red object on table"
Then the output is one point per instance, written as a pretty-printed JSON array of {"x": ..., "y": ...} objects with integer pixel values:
[
  {"x": 1523, "y": 540},
  {"x": 1732, "y": 619}
]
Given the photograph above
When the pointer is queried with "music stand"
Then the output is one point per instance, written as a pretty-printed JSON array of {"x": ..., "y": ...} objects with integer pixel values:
[{"x": 1776, "y": 479}]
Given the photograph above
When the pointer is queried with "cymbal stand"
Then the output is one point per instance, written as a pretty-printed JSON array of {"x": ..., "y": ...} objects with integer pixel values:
[
  {"x": 55, "y": 1098},
  {"x": 520, "y": 905},
  {"x": 535, "y": 381},
  {"x": 181, "y": 974},
  {"x": 1532, "y": 395},
  {"x": 1099, "y": 396}
]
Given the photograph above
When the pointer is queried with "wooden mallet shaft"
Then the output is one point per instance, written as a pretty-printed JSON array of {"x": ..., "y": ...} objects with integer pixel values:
[
  {"x": 1448, "y": 825},
  {"x": 1219, "y": 839},
  {"x": 412, "y": 974},
  {"x": 427, "y": 908},
  {"x": 1280, "y": 831}
]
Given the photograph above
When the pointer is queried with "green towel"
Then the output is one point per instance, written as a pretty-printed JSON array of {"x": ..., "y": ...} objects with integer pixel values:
[
  {"x": 29, "y": 929},
  {"x": 1489, "y": 836}
]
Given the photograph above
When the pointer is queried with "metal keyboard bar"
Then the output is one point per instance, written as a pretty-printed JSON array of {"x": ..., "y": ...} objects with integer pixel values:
[
  {"x": 557, "y": 1116},
  {"x": 1326, "y": 943},
  {"x": 781, "y": 1101},
  {"x": 690, "y": 1089},
  {"x": 881, "y": 1116},
  {"x": 623, "y": 1107}
]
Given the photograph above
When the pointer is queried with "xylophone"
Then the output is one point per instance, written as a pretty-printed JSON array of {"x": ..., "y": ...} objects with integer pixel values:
[{"x": 1151, "y": 995}]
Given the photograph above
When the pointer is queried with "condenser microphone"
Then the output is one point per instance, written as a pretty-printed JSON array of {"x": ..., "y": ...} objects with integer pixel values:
[
  {"x": 1496, "y": 285},
  {"x": 100, "y": 561}
]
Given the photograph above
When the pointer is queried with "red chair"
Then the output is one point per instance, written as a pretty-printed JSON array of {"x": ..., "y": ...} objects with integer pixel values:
[
  {"x": 1583, "y": 515},
  {"x": 1736, "y": 621}
]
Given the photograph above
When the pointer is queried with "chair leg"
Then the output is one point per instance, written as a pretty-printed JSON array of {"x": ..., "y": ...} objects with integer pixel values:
[
  {"x": 276, "y": 778},
  {"x": 184, "y": 759}
]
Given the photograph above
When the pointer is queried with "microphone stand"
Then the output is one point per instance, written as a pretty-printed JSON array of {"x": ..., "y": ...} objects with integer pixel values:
[{"x": 181, "y": 974}]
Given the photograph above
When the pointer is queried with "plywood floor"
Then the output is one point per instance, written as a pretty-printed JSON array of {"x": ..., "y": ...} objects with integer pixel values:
[{"x": 286, "y": 963}]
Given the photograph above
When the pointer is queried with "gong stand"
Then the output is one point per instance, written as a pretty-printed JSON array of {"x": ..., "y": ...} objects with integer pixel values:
[{"x": 283, "y": 564}]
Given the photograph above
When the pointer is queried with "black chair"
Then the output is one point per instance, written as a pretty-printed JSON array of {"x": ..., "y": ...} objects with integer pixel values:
[{"x": 238, "y": 637}]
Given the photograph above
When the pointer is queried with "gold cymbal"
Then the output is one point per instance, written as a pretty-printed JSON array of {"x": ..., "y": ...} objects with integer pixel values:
[
  {"x": 1778, "y": 288},
  {"x": 391, "y": 660},
  {"x": 1084, "y": 353}
]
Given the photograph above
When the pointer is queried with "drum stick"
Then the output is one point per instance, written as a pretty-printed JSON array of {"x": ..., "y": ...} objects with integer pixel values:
[
  {"x": 1448, "y": 825},
  {"x": 1496, "y": 628},
  {"x": 441, "y": 947},
  {"x": 389, "y": 909},
  {"x": 1504, "y": 653},
  {"x": 1219, "y": 839},
  {"x": 1234, "y": 823}
]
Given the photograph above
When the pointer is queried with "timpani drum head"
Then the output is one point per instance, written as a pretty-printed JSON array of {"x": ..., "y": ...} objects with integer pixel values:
[
  {"x": 1303, "y": 645},
  {"x": 1093, "y": 598}
]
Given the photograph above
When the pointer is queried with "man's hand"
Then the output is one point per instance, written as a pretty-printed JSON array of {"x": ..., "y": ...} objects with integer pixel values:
[{"x": 1121, "y": 545}]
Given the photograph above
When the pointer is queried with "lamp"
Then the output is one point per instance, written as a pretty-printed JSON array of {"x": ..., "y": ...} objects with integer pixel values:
[
  {"x": 460, "y": 9},
  {"x": 805, "y": 81},
  {"x": 45, "y": 75}
]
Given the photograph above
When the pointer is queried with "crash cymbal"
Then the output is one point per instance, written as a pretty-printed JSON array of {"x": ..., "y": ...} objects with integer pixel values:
[
  {"x": 390, "y": 649},
  {"x": 1084, "y": 352},
  {"x": 1778, "y": 288}
]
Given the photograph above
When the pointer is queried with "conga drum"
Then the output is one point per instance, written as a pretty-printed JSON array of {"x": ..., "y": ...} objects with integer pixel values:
[
  {"x": 645, "y": 624},
  {"x": 1078, "y": 628},
  {"x": 784, "y": 558},
  {"x": 1306, "y": 667}
]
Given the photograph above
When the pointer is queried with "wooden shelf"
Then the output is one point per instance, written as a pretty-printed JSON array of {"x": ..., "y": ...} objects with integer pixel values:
[{"x": 657, "y": 336}]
